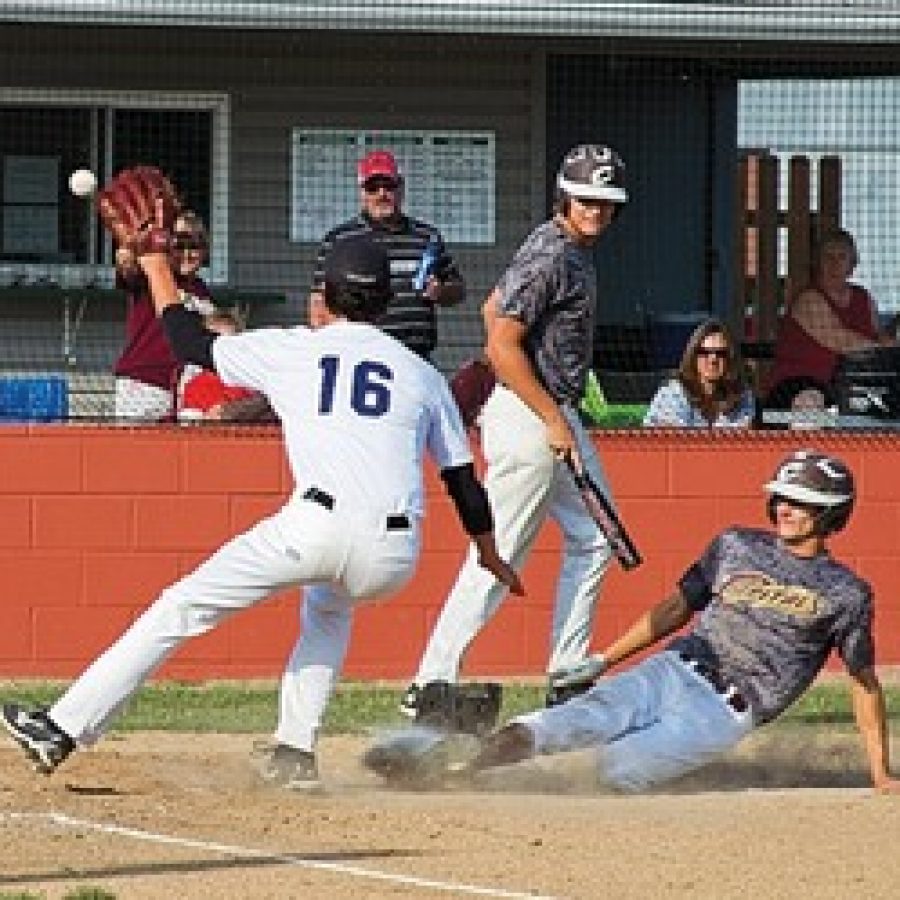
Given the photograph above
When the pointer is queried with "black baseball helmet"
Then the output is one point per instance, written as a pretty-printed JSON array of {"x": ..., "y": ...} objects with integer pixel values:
[
  {"x": 817, "y": 480},
  {"x": 592, "y": 172},
  {"x": 357, "y": 278}
]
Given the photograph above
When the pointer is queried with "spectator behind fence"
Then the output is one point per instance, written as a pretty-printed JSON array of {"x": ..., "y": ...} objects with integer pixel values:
[
  {"x": 201, "y": 395},
  {"x": 146, "y": 368},
  {"x": 830, "y": 318},
  {"x": 411, "y": 317},
  {"x": 709, "y": 390}
]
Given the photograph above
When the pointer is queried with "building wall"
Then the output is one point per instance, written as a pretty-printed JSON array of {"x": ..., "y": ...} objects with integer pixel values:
[
  {"x": 279, "y": 80},
  {"x": 94, "y": 522},
  {"x": 667, "y": 254}
]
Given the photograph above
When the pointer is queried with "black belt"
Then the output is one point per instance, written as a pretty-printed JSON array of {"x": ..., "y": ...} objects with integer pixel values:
[
  {"x": 733, "y": 697},
  {"x": 394, "y": 521}
]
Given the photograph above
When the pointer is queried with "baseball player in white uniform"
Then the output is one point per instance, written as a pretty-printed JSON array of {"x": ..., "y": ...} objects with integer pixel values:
[{"x": 358, "y": 411}]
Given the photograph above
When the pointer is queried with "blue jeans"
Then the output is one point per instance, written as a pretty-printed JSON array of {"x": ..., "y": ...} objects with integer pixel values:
[{"x": 656, "y": 721}]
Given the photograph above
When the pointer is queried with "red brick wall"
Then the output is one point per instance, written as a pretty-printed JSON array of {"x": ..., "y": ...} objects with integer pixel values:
[{"x": 94, "y": 521}]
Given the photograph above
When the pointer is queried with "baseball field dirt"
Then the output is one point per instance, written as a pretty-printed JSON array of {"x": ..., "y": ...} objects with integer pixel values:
[{"x": 183, "y": 816}]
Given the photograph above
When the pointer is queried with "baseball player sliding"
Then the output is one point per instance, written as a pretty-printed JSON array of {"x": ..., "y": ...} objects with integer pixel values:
[
  {"x": 771, "y": 606},
  {"x": 352, "y": 401}
]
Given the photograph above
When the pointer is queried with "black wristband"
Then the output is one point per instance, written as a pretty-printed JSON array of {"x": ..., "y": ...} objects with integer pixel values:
[
  {"x": 191, "y": 341},
  {"x": 695, "y": 588},
  {"x": 470, "y": 498}
]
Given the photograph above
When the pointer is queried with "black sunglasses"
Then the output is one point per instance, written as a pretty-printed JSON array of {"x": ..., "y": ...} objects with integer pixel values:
[
  {"x": 717, "y": 352},
  {"x": 187, "y": 242},
  {"x": 373, "y": 185}
]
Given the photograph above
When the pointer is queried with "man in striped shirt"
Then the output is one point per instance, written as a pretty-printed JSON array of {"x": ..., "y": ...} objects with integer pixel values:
[{"x": 411, "y": 316}]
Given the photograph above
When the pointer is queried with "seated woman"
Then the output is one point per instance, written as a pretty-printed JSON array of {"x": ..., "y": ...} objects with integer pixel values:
[
  {"x": 709, "y": 389},
  {"x": 830, "y": 318},
  {"x": 146, "y": 366}
]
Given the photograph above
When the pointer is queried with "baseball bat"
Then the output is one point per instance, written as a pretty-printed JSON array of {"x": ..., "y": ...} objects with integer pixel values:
[{"x": 602, "y": 512}]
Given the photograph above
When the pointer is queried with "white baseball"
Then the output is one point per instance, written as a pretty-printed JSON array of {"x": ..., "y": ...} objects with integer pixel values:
[{"x": 82, "y": 182}]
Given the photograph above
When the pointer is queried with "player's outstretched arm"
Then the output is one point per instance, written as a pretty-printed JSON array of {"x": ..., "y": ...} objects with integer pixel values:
[
  {"x": 871, "y": 719},
  {"x": 474, "y": 512},
  {"x": 664, "y": 619},
  {"x": 191, "y": 341}
]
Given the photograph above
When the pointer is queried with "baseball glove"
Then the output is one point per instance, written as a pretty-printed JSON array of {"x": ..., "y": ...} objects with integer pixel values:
[
  {"x": 471, "y": 386},
  {"x": 138, "y": 206}
]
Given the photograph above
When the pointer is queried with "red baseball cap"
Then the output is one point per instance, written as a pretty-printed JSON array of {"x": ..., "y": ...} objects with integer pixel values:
[{"x": 378, "y": 163}]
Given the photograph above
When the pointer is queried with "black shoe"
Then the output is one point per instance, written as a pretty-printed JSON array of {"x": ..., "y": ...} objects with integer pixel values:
[
  {"x": 45, "y": 744},
  {"x": 420, "y": 757},
  {"x": 409, "y": 702},
  {"x": 289, "y": 767},
  {"x": 504, "y": 747},
  {"x": 561, "y": 694}
]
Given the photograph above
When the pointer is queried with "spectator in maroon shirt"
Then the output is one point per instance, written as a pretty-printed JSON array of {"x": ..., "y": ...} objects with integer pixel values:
[
  {"x": 830, "y": 318},
  {"x": 146, "y": 368}
]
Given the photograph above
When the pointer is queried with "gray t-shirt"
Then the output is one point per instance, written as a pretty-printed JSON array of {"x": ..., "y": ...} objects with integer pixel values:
[
  {"x": 769, "y": 619},
  {"x": 551, "y": 288}
]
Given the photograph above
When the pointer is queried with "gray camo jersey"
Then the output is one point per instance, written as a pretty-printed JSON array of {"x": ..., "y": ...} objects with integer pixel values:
[
  {"x": 773, "y": 618},
  {"x": 551, "y": 287}
]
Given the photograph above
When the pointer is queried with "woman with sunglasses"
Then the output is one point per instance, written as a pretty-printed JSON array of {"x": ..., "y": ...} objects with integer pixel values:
[
  {"x": 147, "y": 368},
  {"x": 709, "y": 389}
]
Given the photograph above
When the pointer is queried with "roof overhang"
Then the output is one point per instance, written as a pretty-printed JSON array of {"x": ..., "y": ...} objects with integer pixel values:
[{"x": 859, "y": 21}]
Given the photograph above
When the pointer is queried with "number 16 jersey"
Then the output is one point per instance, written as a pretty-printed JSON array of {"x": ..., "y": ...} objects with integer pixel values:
[{"x": 358, "y": 410}]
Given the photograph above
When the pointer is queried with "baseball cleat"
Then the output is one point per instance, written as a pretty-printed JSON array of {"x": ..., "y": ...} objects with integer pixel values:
[
  {"x": 504, "y": 747},
  {"x": 45, "y": 744},
  {"x": 409, "y": 702},
  {"x": 557, "y": 694},
  {"x": 422, "y": 757},
  {"x": 289, "y": 767}
]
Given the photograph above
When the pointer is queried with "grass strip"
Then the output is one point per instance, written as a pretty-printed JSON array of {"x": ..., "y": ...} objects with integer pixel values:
[{"x": 251, "y": 707}]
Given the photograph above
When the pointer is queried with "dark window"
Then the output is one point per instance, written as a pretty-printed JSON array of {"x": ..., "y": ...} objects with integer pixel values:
[
  {"x": 176, "y": 141},
  {"x": 40, "y": 146},
  {"x": 40, "y": 221}
]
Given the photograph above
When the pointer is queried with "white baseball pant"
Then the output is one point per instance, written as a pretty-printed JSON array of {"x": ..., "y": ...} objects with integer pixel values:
[
  {"x": 141, "y": 401},
  {"x": 525, "y": 484},
  {"x": 347, "y": 558},
  {"x": 653, "y": 722}
]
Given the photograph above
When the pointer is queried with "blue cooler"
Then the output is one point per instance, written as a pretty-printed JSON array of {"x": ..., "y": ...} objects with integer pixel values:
[{"x": 38, "y": 399}]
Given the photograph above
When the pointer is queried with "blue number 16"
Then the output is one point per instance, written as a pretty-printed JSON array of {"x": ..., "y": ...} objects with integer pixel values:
[{"x": 369, "y": 396}]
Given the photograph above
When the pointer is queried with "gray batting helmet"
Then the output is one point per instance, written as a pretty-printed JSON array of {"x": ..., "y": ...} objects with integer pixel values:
[
  {"x": 357, "y": 278},
  {"x": 592, "y": 172},
  {"x": 817, "y": 480}
]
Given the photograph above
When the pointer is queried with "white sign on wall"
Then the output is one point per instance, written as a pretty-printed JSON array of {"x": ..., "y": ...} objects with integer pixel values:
[{"x": 449, "y": 175}]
